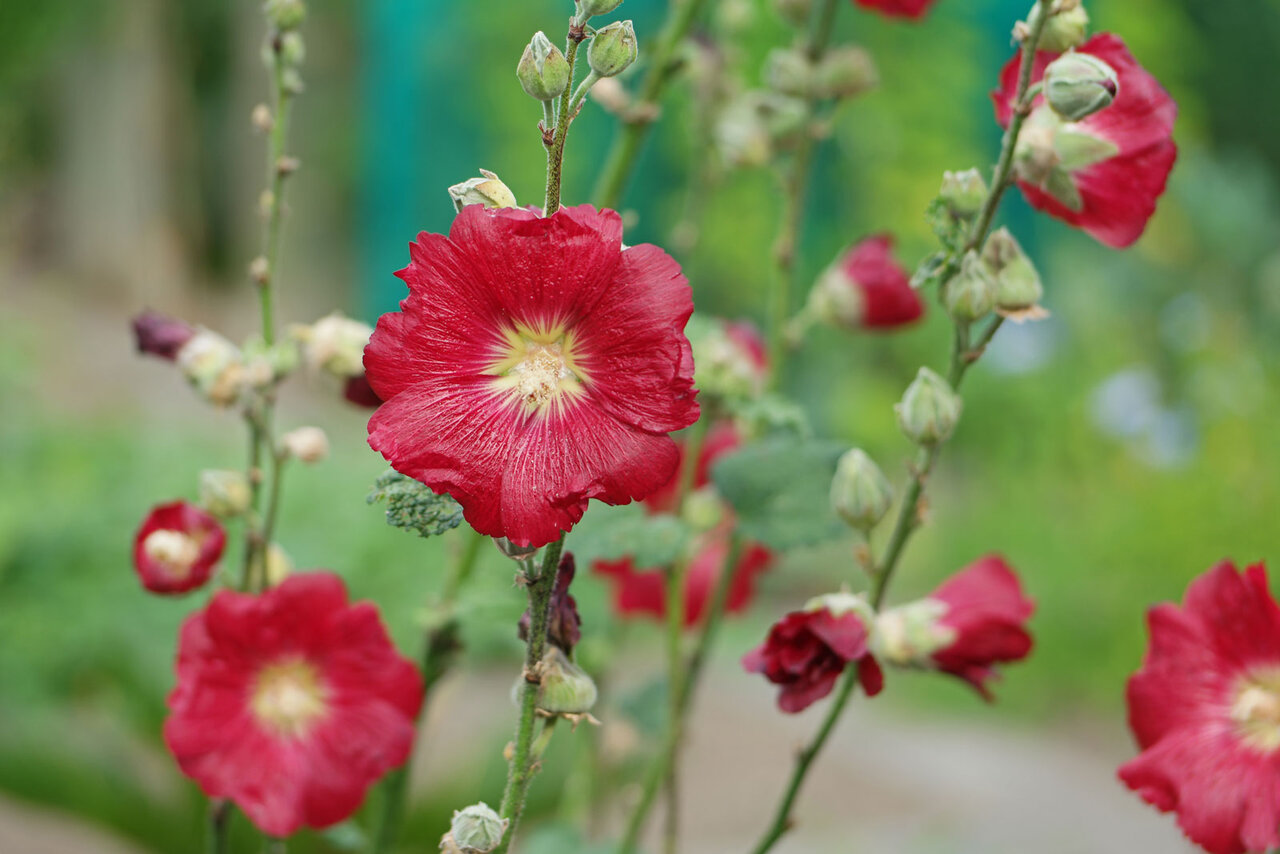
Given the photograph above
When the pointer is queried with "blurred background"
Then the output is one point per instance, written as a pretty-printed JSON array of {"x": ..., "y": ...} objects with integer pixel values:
[{"x": 1111, "y": 452}]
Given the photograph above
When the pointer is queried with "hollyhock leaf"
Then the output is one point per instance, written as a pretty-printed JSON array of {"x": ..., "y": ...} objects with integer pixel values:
[
  {"x": 772, "y": 414},
  {"x": 413, "y": 506},
  {"x": 629, "y": 531},
  {"x": 779, "y": 489}
]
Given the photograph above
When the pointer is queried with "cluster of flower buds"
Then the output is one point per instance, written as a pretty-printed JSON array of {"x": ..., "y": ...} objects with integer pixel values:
[
  {"x": 842, "y": 72},
  {"x": 474, "y": 830},
  {"x": 285, "y": 47}
]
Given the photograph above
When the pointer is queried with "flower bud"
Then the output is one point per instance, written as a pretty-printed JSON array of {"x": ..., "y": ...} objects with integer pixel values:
[
  {"x": 224, "y": 493},
  {"x": 293, "y": 50},
  {"x": 839, "y": 604},
  {"x": 1077, "y": 85},
  {"x": 334, "y": 344},
  {"x": 543, "y": 71},
  {"x": 591, "y": 8},
  {"x": 613, "y": 49},
  {"x": 213, "y": 366},
  {"x": 929, "y": 409},
  {"x": 963, "y": 193},
  {"x": 285, "y": 15},
  {"x": 908, "y": 635},
  {"x": 1067, "y": 29},
  {"x": 860, "y": 493},
  {"x": 971, "y": 293},
  {"x": 844, "y": 72},
  {"x": 487, "y": 190},
  {"x": 1018, "y": 286},
  {"x": 475, "y": 830},
  {"x": 160, "y": 335},
  {"x": 307, "y": 444},
  {"x": 789, "y": 72},
  {"x": 796, "y": 12},
  {"x": 564, "y": 689}
]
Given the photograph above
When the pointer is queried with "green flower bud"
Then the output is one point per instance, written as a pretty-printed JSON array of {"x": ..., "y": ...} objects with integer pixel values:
[
  {"x": 213, "y": 366},
  {"x": 1018, "y": 285},
  {"x": 963, "y": 193},
  {"x": 285, "y": 15},
  {"x": 929, "y": 409},
  {"x": 790, "y": 72},
  {"x": 591, "y": 8},
  {"x": 845, "y": 72},
  {"x": 543, "y": 71},
  {"x": 1078, "y": 85},
  {"x": 487, "y": 190},
  {"x": 1067, "y": 29},
  {"x": 860, "y": 493},
  {"x": 293, "y": 50},
  {"x": 476, "y": 829},
  {"x": 613, "y": 49},
  {"x": 564, "y": 689},
  {"x": 224, "y": 493},
  {"x": 971, "y": 293}
]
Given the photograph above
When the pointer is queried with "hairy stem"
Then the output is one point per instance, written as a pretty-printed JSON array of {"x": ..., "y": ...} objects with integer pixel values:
[
  {"x": 555, "y": 149},
  {"x": 276, "y": 177}
]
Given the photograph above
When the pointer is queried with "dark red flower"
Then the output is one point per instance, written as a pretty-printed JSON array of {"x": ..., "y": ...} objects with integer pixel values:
[
  {"x": 564, "y": 628},
  {"x": 292, "y": 703},
  {"x": 866, "y": 289},
  {"x": 160, "y": 335},
  {"x": 1205, "y": 710},
  {"x": 806, "y": 651},
  {"x": 1102, "y": 174},
  {"x": 177, "y": 547},
  {"x": 536, "y": 364},
  {"x": 913, "y": 9},
  {"x": 357, "y": 390}
]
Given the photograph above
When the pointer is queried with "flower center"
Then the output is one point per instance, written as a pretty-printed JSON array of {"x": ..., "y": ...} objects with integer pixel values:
[
  {"x": 1256, "y": 711},
  {"x": 538, "y": 367},
  {"x": 174, "y": 551},
  {"x": 287, "y": 697}
]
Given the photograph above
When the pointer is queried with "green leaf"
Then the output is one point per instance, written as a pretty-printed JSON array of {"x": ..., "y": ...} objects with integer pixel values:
[
  {"x": 609, "y": 533},
  {"x": 780, "y": 489},
  {"x": 413, "y": 506}
]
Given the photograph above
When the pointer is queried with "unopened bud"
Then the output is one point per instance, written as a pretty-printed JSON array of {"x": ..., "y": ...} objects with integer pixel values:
[
  {"x": 261, "y": 118},
  {"x": 564, "y": 689},
  {"x": 796, "y": 12},
  {"x": 860, "y": 493},
  {"x": 1018, "y": 285},
  {"x": 334, "y": 344},
  {"x": 929, "y": 409},
  {"x": 591, "y": 8},
  {"x": 476, "y": 830},
  {"x": 288, "y": 165},
  {"x": 1067, "y": 29},
  {"x": 266, "y": 203},
  {"x": 487, "y": 190},
  {"x": 260, "y": 270},
  {"x": 844, "y": 72},
  {"x": 1077, "y": 85},
  {"x": 307, "y": 444},
  {"x": 789, "y": 72},
  {"x": 160, "y": 335},
  {"x": 224, "y": 493},
  {"x": 285, "y": 15},
  {"x": 613, "y": 49},
  {"x": 543, "y": 71},
  {"x": 213, "y": 366},
  {"x": 971, "y": 294},
  {"x": 291, "y": 81},
  {"x": 963, "y": 193},
  {"x": 293, "y": 50},
  {"x": 908, "y": 635}
]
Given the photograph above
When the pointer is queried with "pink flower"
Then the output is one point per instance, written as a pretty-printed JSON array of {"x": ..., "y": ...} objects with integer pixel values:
[
  {"x": 913, "y": 9},
  {"x": 536, "y": 364},
  {"x": 292, "y": 703},
  {"x": 806, "y": 651},
  {"x": 866, "y": 289},
  {"x": 1104, "y": 173},
  {"x": 176, "y": 547},
  {"x": 1205, "y": 710}
]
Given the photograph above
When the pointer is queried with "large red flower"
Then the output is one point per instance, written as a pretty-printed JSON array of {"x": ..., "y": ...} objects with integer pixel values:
[
  {"x": 807, "y": 650},
  {"x": 1104, "y": 173},
  {"x": 1205, "y": 710},
  {"x": 866, "y": 288},
  {"x": 914, "y": 9},
  {"x": 177, "y": 547},
  {"x": 536, "y": 364},
  {"x": 292, "y": 703}
]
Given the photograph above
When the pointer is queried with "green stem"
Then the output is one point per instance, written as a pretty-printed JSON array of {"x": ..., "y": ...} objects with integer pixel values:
[
  {"x": 622, "y": 156},
  {"x": 276, "y": 177},
  {"x": 963, "y": 356},
  {"x": 555, "y": 151},
  {"x": 521, "y": 768},
  {"x": 219, "y": 841}
]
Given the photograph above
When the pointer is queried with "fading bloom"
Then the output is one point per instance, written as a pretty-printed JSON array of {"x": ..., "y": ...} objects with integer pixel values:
[
  {"x": 865, "y": 288},
  {"x": 975, "y": 620},
  {"x": 177, "y": 547},
  {"x": 564, "y": 626},
  {"x": 1104, "y": 173},
  {"x": 808, "y": 650},
  {"x": 335, "y": 345},
  {"x": 159, "y": 335},
  {"x": 1205, "y": 710},
  {"x": 913, "y": 9},
  {"x": 290, "y": 704},
  {"x": 536, "y": 364}
]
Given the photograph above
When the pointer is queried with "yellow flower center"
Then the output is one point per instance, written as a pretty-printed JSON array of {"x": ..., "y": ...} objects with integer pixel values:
[
  {"x": 1256, "y": 711},
  {"x": 288, "y": 696},
  {"x": 175, "y": 551},
  {"x": 538, "y": 367}
]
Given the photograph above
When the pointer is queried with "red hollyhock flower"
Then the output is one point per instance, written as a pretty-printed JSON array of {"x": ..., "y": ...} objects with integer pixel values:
[
  {"x": 913, "y": 9},
  {"x": 866, "y": 289},
  {"x": 1104, "y": 173},
  {"x": 292, "y": 703},
  {"x": 1205, "y": 710},
  {"x": 806, "y": 651},
  {"x": 177, "y": 547},
  {"x": 159, "y": 335},
  {"x": 536, "y": 364}
]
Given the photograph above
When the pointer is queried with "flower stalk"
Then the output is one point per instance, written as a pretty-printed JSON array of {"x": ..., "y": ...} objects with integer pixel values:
[{"x": 555, "y": 143}]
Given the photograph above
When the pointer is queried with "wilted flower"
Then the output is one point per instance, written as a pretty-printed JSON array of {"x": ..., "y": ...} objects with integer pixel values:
[{"x": 564, "y": 626}]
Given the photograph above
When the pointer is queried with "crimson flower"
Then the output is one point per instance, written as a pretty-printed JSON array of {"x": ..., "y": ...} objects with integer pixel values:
[
  {"x": 177, "y": 547},
  {"x": 292, "y": 703},
  {"x": 1103, "y": 173},
  {"x": 865, "y": 288},
  {"x": 806, "y": 651},
  {"x": 1205, "y": 710},
  {"x": 913, "y": 9},
  {"x": 357, "y": 390},
  {"x": 159, "y": 335},
  {"x": 537, "y": 363}
]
